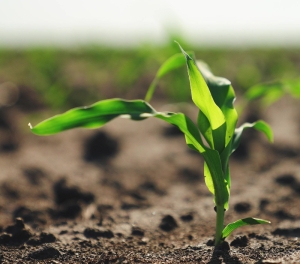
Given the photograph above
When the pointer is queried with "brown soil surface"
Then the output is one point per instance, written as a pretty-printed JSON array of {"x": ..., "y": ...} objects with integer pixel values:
[{"x": 133, "y": 192}]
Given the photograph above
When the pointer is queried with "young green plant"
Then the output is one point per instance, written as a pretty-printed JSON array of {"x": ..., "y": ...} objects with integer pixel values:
[
  {"x": 270, "y": 92},
  {"x": 216, "y": 124}
]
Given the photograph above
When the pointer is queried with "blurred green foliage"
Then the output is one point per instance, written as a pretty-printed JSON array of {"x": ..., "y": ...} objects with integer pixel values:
[{"x": 72, "y": 77}]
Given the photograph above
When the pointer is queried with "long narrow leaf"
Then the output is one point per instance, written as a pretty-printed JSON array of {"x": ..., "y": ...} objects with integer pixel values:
[
  {"x": 217, "y": 183},
  {"x": 208, "y": 179},
  {"x": 258, "y": 125},
  {"x": 294, "y": 87},
  {"x": 93, "y": 116},
  {"x": 242, "y": 222},
  {"x": 186, "y": 126},
  {"x": 203, "y": 99},
  {"x": 102, "y": 112},
  {"x": 201, "y": 94},
  {"x": 224, "y": 96},
  {"x": 226, "y": 174},
  {"x": 213, "y": 162},
  {"x": 211, "y": 157},
  {"x": 267, "y": 92},
  {"x": 225, "y": 162},
  {"x": 260, "y": 90},
  {"x": 272, "y": 91},
  {"x": 174, "y": 62}
]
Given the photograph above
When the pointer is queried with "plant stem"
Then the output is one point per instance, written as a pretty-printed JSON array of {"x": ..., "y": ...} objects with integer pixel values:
[{"x": 219, "y": 225}]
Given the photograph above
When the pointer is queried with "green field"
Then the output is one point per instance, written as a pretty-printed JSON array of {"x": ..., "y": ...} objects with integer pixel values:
[{"x": 66, "y": 78}]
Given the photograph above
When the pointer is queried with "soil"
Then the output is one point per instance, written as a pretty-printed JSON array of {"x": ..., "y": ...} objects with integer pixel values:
[{"x": 132, "y": 192}]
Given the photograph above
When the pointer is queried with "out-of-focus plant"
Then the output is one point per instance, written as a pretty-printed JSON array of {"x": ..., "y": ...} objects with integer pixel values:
[{"x": 268, "y": 93}]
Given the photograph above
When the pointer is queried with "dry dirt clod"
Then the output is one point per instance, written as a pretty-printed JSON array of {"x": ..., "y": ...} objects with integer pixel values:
[
  {"x": 100, "y": 147},
  {"x": 42, "y": 239},
  {"x": 19, "y": 234},
  {"x": 168, "y": 223},
  {"x": 29, "y": 216},
  {"x": 187, "y": 217},
  {"x": 44, "y": 253},
  {"x": 34, "y": 175},
  {"x": 242, "y": 207},
  {"x": 47, "y": 237},
  {"x": 137, "y": 231},
  {"x": 286, "y": 179},
  {"x": 240, "y": 241},
  {"x": 287, "y": 232},
  {"x": 98, "y": 232},
  {"x": 5, "y": 238},
  {"x": 65, "y": 193},
  {"x": 224, "y": 246}
]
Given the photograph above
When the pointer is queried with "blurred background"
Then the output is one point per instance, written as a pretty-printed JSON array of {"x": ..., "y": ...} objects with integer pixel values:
[{"x": 67, "y": 53}]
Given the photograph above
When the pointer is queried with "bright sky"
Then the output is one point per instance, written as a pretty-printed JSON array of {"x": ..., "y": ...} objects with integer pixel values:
[{"x": 130, "y": 22}]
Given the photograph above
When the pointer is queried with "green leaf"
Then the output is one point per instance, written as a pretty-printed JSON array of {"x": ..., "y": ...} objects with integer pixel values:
[
  {"x": 260, "y": 90},
  {"x": 214, "y": 176},
  {"x": 174, "y": 62},
  {"x": 267, "y": 92},
  {"x": 209, "y": 181},
  {"x": 221, "y": 138},
  {"x": 93, "y": 116},
  {"x": 205, "y": 129},
  {"x": 224, "y": 96},
  {"x": 270, "y": 92},
  {"x": 171, "y": 64},
  {"x": 294, "y": 87},
  {"x": 186, "y": 126},
  {"x": 242, "y": 222},
  {"x": 213, "y": 161},
  {"x": 213, "y": 128},
  {"x": 201, "y": 95},
  {"x": 211, "y": 157},
  {"x": 258, "y": 125},
  {"x": 225, "y": 163},
  {"x": 215, "y": 138},
  {"x": 102, "y": 112},
  {"x": 230, "y": 114},
  {"x": 218, "y": 86},
  {"x": 226, "y": 173},
  {"x": 228, "y": 184}
]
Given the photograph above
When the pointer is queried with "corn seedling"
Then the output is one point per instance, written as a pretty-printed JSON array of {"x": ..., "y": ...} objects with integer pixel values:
[
  {"x": 216, "y": 125},
  {"x": 270, "y": 92}
]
